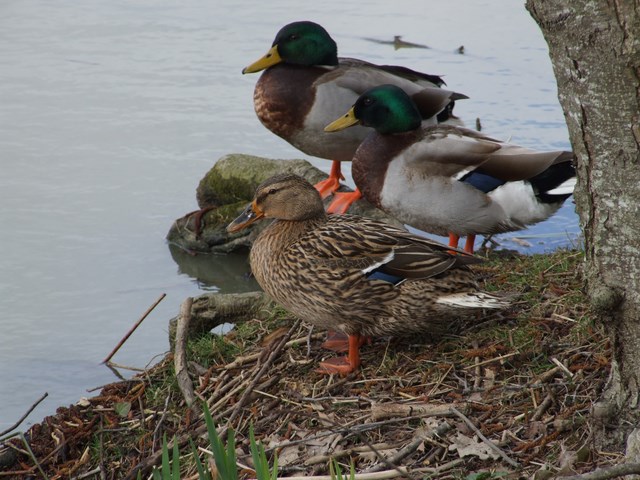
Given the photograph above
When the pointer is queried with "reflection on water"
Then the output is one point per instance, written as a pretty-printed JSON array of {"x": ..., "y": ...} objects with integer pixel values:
[
  {"x": 221, "y": 273},
  {"x": 113, "y": 111}
]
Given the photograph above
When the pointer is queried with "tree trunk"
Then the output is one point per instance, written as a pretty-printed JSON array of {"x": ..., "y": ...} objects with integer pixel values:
[{"x": 594, "y": 47}]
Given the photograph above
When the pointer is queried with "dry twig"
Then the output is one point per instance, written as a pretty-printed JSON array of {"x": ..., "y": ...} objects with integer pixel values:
[
  {"x": 21, "y": 419},
  {"x": 133, "y": 329},
  {"x": 180, "y": 356},
  {"x": 491, "y": 445}
]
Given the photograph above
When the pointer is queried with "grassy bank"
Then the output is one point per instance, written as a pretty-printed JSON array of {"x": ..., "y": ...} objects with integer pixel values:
[{"x": 521, "y": 382}]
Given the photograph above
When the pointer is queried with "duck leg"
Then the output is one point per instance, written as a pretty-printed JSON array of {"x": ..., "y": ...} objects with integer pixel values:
[
  {"x": 453, "y": 240},
  {"x": 328, "y": 186},
  {"x": 469, "y": 243},
  {"x": 339, "y": 342},
  {"x": 344, "y": 365},
  {"x": 342, "y": 201}
]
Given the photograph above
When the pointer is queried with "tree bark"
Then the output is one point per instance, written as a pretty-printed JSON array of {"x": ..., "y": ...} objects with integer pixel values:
[{"x": 594, "y": 47}]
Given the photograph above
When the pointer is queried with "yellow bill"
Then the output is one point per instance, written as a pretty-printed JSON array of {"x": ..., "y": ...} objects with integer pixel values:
[
  {"x": 345, "y": 121},
  {"x": 249, "y": 215},
  {"x": 271, "y": 58}
]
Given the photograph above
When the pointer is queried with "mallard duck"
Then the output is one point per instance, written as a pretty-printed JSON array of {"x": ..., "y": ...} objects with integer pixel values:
[
  {"x": 306, "y": 85},
  {"x": 352, "y": 274},
  {"x": 450, "y": 180}
]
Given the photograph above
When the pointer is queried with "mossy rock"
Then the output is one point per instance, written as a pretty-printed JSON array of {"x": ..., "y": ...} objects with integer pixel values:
[
  {"x": 225, "y": 191},
  {"x": 235, "y": 177}
]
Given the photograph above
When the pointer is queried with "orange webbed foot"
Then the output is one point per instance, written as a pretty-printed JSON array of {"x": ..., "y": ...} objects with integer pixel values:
[
  {"x": 332, "y": 183},
  {"x": 336, "y": 342},
  {"x": 342, "y": 201},
  {"x": 327, "y": 187},
  {"x": 336, "y": 365},
  {"x": 339, "y": 342},
  {"x": 344, "y": 365}
]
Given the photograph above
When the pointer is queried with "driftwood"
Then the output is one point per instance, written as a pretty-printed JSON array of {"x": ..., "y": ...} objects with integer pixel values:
[
  {"x": 381, "y": 411},
  {"x": 180, "y": 355},
  {"x": 212, "y": 310}
]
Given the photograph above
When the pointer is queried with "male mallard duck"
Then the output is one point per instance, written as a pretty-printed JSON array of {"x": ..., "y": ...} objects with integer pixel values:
[
  {"x": 354, "y": 274},
  {"x": 450, "y": 180},
  {"x": 305, "y": 86}
]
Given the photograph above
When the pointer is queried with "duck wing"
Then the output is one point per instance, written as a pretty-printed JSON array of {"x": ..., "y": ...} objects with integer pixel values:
[
  {"x": 431, "y": 151},
  {"x": 359, "y": 76},
  {"x": 513, "y": 162},
  {"x": 366, "y": 246}
]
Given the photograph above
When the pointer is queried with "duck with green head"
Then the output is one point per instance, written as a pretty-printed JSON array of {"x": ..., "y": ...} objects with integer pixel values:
[
  {"x": 305, "y": 85},
  {"x": 353, "y": 274},
  {"x": 450, "y": 180}
]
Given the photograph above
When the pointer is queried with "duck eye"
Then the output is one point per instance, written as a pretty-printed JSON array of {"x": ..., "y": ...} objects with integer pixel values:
[
  {"x": 272, "y": 191},
  {"x": 367, "y": 101},
  {"x": 294, "y": 36}
]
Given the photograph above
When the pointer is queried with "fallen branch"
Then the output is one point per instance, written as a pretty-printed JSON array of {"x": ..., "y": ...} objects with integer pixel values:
[
  {"x": 544, "y": 406},
  {"x": 359, "y": 476},
  {"x": 413, "y": 446},
  {"x": 240, "y": 361},
  {"x": 180, "y": 353},
  {"x": 347, "y": 453},
  {"x": 21, "y": 419},
  {"x": 380, "y": 411},
  {"x": 608, "y": 472},
  {"x": 88, "y": 474},
  {"x": 133, "y": 329}
]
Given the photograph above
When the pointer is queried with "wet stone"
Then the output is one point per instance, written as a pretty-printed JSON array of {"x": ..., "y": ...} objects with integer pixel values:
[{"x": 225, "y": 191}]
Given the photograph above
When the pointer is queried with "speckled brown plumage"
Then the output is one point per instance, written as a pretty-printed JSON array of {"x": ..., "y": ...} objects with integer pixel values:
[{"x": 319, "y": 267}]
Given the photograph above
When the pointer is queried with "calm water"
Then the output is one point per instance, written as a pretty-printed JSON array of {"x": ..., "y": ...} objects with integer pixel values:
[{"x": 111, "y": 112}]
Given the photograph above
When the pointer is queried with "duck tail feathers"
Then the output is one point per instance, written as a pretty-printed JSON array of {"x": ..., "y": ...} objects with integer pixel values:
[
  {"x": 555, "y": 184},
  {"x": 473, "y": 300},
  {"x": 565, "y": 188}
]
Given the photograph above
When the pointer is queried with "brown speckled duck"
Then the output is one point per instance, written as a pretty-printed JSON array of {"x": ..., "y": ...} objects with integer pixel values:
[
  {"x": 352, "y": 274},
  {"x": 305, "y": 85},
  {"x": 450, "y": 180}
]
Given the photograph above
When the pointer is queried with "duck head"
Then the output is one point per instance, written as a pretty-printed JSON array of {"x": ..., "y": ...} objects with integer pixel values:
[
  {"x": 283, "y": 197},
  {"x": 386, "y": 108},
  {"x": 299, "y": 43}
]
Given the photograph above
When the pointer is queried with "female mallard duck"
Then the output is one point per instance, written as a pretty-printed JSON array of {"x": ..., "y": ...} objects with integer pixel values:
[
  {"x": 450, "y": 180},
  {"x": 353, "y": 274},
  {"x": 305, "y": 86}
]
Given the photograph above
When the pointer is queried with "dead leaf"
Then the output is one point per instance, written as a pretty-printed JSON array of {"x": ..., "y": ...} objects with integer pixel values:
[
  {"x": 273, "y": 336},
  {"x": 290, "y": 454},
  {"x": 467, "y": 446}
]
